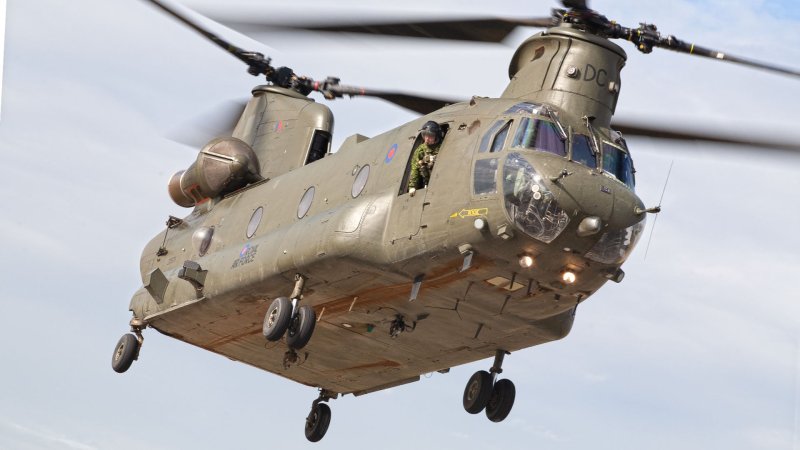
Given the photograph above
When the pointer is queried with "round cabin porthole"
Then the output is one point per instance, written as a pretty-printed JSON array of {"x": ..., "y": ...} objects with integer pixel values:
[
  {"x": 201, "y": 239},
  {"x": 255, "y": 220},
  {"x": 360, "y": 181},
  {"x": 305, "y": 203}
]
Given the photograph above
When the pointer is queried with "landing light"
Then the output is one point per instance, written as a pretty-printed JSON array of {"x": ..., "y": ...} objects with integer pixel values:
[
  {"x": 568, "y": 277},
  {"x": 526, "y": 261}
]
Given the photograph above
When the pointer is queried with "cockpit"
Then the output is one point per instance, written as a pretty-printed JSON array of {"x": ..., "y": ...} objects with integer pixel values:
[
  {"x": 529, "y": 126},
  {"x": 549, "y": 135},
  {"x": 532, "y": 206}
]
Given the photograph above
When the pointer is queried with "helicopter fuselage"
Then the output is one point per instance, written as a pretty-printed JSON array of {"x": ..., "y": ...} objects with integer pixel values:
[{"x": 451, "y": 259}]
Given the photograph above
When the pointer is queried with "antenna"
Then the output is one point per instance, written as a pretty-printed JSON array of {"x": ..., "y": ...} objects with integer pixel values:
[
  {"x": 650, "y": 238},
  {"x": 2, "y": 45}
]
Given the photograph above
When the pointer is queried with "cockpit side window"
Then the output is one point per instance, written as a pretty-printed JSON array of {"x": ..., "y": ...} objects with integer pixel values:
[
  {"x": 500, "y": 138},
  {"x": 582, "y": 151},
  {"x": 487, "y": 138},
  {"x": 539, "y": 135},
  {"x": 618, "y": 163}
]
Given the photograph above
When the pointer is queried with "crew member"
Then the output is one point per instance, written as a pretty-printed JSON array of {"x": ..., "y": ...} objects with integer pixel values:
[{"x": 424, "y": 156}]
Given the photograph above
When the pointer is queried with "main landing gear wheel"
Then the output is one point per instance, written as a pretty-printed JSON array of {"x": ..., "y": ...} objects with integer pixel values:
[
  {"x": 126, "y": 351},
  {"x": 277, "y": 319},
  {"x": 318, "y": 421},
  {"x": 484, "y": 391},
  {"x": 501, "y": 400},
  {"x": 301, "y": 327},
  {"x": 477, "y": 392}
]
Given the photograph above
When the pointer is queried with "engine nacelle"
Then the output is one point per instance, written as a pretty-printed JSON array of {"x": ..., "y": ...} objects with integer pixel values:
[{"x": 222, "y": 166}]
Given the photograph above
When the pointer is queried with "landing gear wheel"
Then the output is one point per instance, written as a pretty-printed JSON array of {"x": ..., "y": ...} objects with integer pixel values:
[
  {"x": 126, "y": 351},
  {"x": 277, "y": 319},
  {"x": 317, "y": 422},
  {"x": 501, "y": 400},
  {"x": 301, "y": 327},
  {"x": 477, "y": 392}
]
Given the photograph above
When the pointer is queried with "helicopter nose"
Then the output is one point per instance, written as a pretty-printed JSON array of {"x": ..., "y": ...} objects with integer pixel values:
[{"x": 548, "y": 196}]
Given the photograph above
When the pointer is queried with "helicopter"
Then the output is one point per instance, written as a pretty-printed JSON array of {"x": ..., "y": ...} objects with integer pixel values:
[{"x": 530, "y": 209}]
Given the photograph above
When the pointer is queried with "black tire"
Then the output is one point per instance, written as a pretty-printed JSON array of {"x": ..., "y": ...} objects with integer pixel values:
[
  {"x": 126, "y": 351},
  {"x": 317, "y": 422},
  {"x": 277, "y": 319},
  {"x": 301, "y": 328},
  {"x": 477, "y": 392},
  {"x": 501, "y": 401}
]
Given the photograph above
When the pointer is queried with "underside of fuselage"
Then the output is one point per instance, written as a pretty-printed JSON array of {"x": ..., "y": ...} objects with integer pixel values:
[{"x": 457, "y": 317}]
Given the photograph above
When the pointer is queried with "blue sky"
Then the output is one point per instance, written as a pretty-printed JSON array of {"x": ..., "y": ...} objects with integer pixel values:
[{"x": 697, "y": 348}]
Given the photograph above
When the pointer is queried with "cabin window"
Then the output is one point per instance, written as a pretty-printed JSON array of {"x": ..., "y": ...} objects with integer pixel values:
[
  {"x": 320, "y": 143},
  {"x": 539, "y": 135},
  {"x": 201, "y": 239},
  {"x": 500, "y": 138},
  {"x": 484, "y": 181},
  {"x": 360, "y": 182},
  {"x": 582, "y": 151},
  {"x": 618, "y": 163},
  {"x": 305, "y": 203},
  {"x": 255, "y": 220}
]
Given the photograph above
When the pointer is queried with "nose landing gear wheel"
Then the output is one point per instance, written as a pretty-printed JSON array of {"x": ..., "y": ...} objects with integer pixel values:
[
  {"x": 277, "y": 319},
  {"x": 501, "y": 400},
  {"x": 301, "y": 327},
  {"x": 126, "y": 351},
  {"x": 317, "y": 422},
  {"x": 477, "y": 392}
]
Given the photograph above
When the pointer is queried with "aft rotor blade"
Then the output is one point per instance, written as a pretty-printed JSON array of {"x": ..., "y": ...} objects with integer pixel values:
[
  {"x": 200, "y": 129},
  {"x": 418, "y": 103},
  {"x": 634, "y": 129},
  {"x": 474, "y": 30},
  {"x": 256, "y": 61}
]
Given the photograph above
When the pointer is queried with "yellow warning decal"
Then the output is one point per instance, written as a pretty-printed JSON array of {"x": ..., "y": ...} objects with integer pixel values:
[{"x": 470, "y": 213}]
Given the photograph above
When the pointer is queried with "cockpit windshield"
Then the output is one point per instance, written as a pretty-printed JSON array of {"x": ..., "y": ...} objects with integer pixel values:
[
  {"x": 540, "y": 135},
  {"x": 618, "y": 163},
  {"x": 582, "y": 151}
]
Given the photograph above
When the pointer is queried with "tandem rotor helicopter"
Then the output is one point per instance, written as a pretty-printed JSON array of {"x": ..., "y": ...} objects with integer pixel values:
[{"x": 343, "y": 272}]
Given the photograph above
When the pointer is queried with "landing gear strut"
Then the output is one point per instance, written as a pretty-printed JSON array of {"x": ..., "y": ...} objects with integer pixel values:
[
  {"x": 128, "y": 347},
  {"x": 485, "y": 392},
  {"x": 285, "y": 316},
  {"x": 319, "y": 418}
]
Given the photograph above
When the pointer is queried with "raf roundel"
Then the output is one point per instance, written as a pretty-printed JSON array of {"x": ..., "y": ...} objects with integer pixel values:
[{"x": 390, "y": 154}]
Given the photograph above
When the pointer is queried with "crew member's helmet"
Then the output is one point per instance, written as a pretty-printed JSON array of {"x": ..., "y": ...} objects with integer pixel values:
[{"x": 432, "y": 128}]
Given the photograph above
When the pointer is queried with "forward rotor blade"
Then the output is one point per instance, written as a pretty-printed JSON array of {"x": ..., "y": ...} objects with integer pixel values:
[
  {"x": 647, "y": 36},
  {"x": 691, "y": 49},
  {"x": 474, "y": 30},
  {"x": 634, "y": 129}
]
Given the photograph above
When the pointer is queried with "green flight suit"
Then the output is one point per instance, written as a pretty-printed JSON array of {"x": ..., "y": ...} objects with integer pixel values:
[{"x": 422, "y": 165}]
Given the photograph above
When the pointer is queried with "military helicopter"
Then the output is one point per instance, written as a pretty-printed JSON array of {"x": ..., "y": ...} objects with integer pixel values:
[{"x": 327, "y": 269}]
